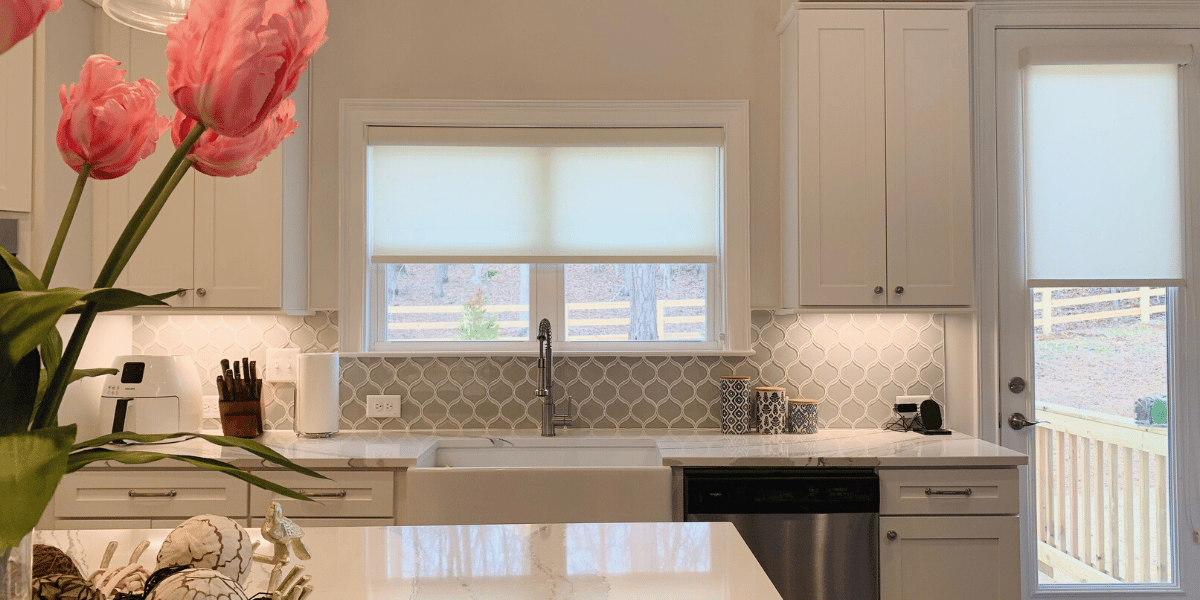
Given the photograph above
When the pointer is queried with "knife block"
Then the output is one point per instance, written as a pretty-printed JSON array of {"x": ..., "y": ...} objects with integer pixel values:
[{"x": 241, "y": 418}]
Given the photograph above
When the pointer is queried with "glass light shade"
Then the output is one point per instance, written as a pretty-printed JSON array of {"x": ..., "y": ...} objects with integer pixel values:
[{"x": 147, "y": 15}]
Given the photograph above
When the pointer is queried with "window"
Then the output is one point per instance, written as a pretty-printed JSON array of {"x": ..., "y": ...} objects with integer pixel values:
[{"x": 624, "y": 224}]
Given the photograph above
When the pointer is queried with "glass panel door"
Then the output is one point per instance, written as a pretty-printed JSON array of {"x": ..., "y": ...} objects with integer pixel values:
[{"x": 1086, "y": 342}]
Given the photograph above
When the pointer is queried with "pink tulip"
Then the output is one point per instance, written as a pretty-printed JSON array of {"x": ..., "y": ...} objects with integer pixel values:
[
  {"x": 231, "y": 62},
  {"x": 18, "y": 19},
  {"x": 106, "y": 122},
  {"x": 222, "y": 156}
]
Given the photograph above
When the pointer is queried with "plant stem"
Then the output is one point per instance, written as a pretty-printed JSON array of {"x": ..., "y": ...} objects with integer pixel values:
[
  {"x": 65, "y": 225},
  {"x": 135, "y": 230}
]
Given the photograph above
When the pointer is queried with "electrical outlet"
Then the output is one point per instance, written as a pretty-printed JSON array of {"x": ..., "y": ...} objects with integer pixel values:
[
  {"x": 383, "y": 407},
  {"x": 209, "y": 408},
  {"x": 281, "y": 365}
]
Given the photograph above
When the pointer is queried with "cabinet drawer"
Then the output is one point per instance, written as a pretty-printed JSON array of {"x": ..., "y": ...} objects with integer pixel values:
[
  {"x": 146, "y": 494},
  {"x": 948, "y": 492},
  {"x": 344, "y": 494}
]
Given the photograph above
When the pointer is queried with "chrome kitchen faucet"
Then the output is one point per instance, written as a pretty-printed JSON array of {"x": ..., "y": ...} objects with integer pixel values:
[{"x": 545, "y": 386}]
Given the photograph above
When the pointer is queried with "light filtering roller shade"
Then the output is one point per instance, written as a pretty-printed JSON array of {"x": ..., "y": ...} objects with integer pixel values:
[
  {"x": 1102, "y": 181},
  {"x": 530, "y": 195}
]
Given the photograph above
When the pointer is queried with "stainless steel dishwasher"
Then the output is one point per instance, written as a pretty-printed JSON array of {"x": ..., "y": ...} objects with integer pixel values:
[{"x": 815, "y": 531}]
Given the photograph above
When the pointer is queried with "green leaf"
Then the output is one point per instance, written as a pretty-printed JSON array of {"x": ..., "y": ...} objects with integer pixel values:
[
  {"x": 250, "y": 446},
  {"x": 79, "y": 458},
  {"x": 19, "y": 394},
  {"x": 24, "y": 278},
  {"x": 52, "y": 350},
  {"x": 76, "y": 375},
  {"x": 31, "y": 465},
  {"x": 78, "y": 308},
  {"x": 26, "y": 317}
]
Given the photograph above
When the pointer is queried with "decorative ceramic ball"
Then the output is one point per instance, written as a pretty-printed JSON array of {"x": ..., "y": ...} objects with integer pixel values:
[
  {"x": 197, "y": 584},
  {"x": 209, "y": 542},
  {"x": 48, "y": 560},
  {"x": 64, "y": 587}
]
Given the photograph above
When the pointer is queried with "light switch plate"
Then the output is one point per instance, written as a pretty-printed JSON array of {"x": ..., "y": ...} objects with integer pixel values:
[
  {"x": 383, "y": 407},
  {"x": 281, "y": 365}
]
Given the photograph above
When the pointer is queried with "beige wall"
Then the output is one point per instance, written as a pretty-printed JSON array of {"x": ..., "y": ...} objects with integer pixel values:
[{"x": 550, "y": 50}]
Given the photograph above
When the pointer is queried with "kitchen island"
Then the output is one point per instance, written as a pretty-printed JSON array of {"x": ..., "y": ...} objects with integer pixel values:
[{"x": 663, "y": 561}]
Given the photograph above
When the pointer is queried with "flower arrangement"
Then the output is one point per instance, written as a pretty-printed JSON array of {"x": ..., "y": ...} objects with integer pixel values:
[{"x": 231, "y": 66}]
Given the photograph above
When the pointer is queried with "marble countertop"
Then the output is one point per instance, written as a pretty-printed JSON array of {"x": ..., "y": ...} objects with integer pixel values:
[
  {"x": 679, "y": 447},
  {"x": 663, "y": 561}
]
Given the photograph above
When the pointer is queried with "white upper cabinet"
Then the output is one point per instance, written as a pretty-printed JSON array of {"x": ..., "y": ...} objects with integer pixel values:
[
  {"x": 233, "y": 243},
  {"x": 16, "y": 127},
  {"x": 877, "y": 156}
]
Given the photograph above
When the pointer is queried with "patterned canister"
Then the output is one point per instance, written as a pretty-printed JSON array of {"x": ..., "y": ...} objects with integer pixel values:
[
  {"x": 772, "y": 409},
  {"x": 735, "y": 404},
  {"x": 802, "y": 415}
]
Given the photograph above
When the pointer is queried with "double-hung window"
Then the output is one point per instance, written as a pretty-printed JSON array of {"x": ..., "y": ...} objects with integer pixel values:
[{"x": 624, "y": 228}]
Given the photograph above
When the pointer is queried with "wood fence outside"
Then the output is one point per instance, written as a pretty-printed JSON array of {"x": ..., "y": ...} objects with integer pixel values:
[
  {"x": 1102, "y": 495},
  {"x": 661, "y": 307},
  {"x": 1143, "y": 310}
]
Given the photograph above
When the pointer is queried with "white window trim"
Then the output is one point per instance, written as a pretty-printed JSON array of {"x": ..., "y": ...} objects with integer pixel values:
[{"x": 356, "y": 115}]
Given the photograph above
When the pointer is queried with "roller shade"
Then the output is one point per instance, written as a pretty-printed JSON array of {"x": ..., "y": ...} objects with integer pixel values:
[
  {"x": 551, "y": 195},
  {"x": 1103, "y": 200}
]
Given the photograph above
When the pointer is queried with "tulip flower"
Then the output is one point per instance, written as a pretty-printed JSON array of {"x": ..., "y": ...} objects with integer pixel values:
[
  {"x": 231, "y": 63},
  {"x": 223, "y": 156},
  {"x": 106, "y": 123},
  {"x": 18, "y": 19}
]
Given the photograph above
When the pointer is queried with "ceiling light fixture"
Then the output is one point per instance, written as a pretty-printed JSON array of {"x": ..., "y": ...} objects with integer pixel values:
[{"x": 147, "y": 15}]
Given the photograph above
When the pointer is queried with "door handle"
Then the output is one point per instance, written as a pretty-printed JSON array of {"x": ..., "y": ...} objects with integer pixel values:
[
  {"x": 933, "y": 492},
  {"x": 1018, "y": 421},
  {"x": 332, "y": 494},
  {"x": 170, "y": 494}
]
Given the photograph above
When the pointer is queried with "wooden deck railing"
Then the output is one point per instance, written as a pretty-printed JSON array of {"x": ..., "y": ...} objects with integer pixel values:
[
  {"x": 1101, "y": 498},
  {"x": 455, "y": 313}
]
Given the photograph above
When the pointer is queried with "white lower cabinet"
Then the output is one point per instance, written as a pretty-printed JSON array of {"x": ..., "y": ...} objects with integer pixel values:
[
  {"x": 161, "y": 499},
  {"x": 949, "y": 533},
  {"x": 934, "y": 558}
]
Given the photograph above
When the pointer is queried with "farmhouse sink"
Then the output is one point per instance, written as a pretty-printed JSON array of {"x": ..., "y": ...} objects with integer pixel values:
[{"x": 475, "y": 481}]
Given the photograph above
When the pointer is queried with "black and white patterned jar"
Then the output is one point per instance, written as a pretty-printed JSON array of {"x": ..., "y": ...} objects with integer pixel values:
[
  {"x": 772, "y": 409},
  {"x": 803, "y": 415},
  {"x": 735, "y": 404}
]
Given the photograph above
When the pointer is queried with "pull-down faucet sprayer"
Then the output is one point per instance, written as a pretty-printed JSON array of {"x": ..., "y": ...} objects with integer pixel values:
[{"x": 545, "y": 384}]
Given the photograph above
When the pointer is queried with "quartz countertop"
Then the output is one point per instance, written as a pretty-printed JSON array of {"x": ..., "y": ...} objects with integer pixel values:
[
  {"x": 679, "y": 447},
  {"x": 663, "y": 561}
]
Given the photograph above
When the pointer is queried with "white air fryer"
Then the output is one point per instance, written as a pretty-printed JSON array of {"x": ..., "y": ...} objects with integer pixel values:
[{"x": 151, "y": 394}]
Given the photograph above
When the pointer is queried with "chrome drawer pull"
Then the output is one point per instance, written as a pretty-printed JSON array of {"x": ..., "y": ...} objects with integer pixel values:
[
  {"x": 931, "y": 492},
  {"x": 170, "y": 494},
  {"x": 337, "y": 494}
]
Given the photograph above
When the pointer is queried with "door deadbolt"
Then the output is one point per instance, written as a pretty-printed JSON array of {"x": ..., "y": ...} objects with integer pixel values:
[{"x": 1016, "y": 385}]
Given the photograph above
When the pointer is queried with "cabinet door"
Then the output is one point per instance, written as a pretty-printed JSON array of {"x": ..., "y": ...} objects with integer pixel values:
[
  {"x": 16, "y": 129},
  {"x": 164, "y": 259},
  {"x": 841, "y": 160},
  {"x": 238, "y": 244},
  {"x": 929, "y": 210},
  {"x": 936, "y": 558}
]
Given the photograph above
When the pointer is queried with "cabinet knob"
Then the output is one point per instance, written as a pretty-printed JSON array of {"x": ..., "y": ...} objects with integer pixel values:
[
  {"x": 899, "y": 289},
  {"x": 892, "y": 535},
  {"x": 182, "y": 293},
  {"x": 201, "y": 292},
  {"x": 878, "y": 289}
]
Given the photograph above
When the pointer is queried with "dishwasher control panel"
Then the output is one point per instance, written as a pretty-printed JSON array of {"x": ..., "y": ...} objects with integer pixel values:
[{"x": 757, "y": 490}]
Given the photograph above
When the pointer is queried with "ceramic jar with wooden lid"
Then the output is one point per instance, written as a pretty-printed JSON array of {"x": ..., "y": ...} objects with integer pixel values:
[
  {"x": 735, "y": 404},
  {"x": 772, "y": 409},
  {"x": 802, "y": 415}
]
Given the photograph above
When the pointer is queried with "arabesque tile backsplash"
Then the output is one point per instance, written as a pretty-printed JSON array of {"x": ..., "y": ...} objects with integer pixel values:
[{"x": 856, "y": 364}]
